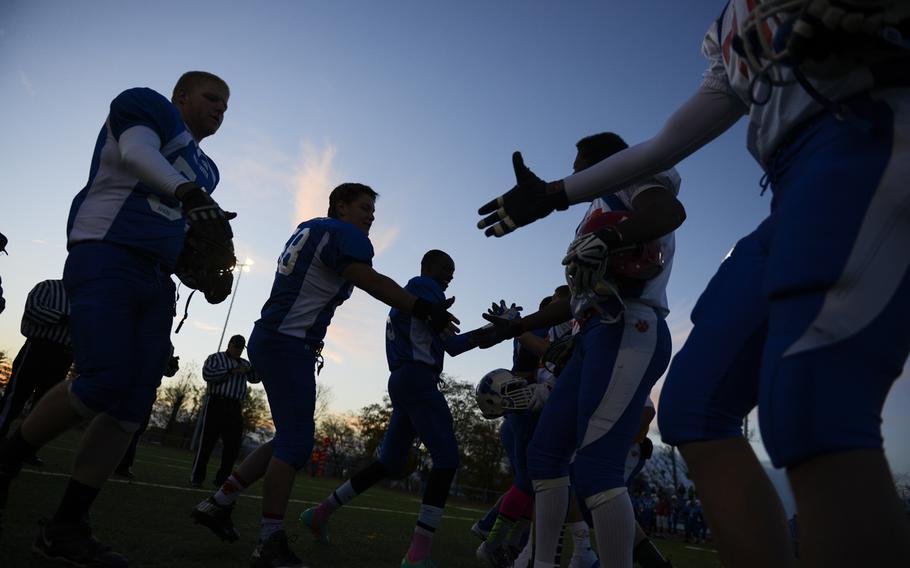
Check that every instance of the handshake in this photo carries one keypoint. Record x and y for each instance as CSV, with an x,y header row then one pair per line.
x,y
505,323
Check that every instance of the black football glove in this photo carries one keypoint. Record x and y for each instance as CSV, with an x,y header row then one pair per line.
x,y
203,212
500,329
436,315
525,203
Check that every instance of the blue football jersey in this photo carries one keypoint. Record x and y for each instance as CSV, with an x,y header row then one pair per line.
x,y
115,206
308,286
409,339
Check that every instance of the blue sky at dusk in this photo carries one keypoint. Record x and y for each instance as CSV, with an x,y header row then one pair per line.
x,y
424,101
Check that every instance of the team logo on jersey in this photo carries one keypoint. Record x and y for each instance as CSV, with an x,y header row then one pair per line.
x,y
642,326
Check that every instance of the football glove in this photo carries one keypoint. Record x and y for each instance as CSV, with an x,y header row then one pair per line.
x,y
436,315
558,354
540,394
501,310
531,199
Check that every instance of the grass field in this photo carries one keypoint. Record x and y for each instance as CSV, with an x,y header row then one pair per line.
x,y
148,520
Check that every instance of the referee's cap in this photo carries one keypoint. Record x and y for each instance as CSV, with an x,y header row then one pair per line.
x,y
3,241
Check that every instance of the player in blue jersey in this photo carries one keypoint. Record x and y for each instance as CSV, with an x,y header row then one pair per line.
x,y
321,264
805,318
126,228
148,179
415,355
621,348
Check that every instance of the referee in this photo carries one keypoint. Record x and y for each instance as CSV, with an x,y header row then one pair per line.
x,y
227,374
46,357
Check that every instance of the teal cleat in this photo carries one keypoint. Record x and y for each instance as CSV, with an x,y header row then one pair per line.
x,y
320,533
425,563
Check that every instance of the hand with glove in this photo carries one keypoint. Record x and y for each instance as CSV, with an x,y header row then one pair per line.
x,y
436,315
540,394
505,323
531,199
207,260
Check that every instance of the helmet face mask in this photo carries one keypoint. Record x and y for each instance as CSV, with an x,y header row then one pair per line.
x,y
635,261
500,392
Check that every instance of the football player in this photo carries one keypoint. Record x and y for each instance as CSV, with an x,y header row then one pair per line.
x,y
317,271
148,180
805,317
621,348
415,353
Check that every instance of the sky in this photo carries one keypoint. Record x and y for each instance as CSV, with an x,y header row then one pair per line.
x,y
423,100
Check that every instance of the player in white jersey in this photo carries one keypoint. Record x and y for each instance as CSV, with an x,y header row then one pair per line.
x,y
622,347
806,317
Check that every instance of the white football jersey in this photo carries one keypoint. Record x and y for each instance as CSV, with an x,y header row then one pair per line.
x,y
787,105
652,292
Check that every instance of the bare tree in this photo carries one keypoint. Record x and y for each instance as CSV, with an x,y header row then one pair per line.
x,y
256,414
344,445
175,396
324,398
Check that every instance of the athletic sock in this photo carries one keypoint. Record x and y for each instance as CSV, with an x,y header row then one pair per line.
x,y
422,541
614,528
232,487
581,540
270,524
342,495
551,505
77,500
646,554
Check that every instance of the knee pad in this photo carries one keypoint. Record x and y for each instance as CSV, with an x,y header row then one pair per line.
x,y
296,455
544,466
599,499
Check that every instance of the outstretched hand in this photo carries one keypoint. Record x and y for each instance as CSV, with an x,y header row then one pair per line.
x,y
531,199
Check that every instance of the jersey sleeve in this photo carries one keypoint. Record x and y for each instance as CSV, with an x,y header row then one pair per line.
x,y
348,245
216,368
715,76
423,287
144,107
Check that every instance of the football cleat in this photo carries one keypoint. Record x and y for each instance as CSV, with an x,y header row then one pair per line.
x,y
74,543
216,518
494,556
321,533
479,531
275,553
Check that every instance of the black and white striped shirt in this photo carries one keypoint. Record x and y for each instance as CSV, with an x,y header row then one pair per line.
x,y
222,382
47,313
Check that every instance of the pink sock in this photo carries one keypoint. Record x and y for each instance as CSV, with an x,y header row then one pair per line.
x,y
420,545
514,503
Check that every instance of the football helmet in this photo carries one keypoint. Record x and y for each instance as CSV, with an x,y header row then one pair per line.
x,y
500,392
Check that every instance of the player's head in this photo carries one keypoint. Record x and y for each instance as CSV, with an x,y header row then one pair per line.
x,y
354,203
545,302
202,99
236,345
562,293
597,147
439,266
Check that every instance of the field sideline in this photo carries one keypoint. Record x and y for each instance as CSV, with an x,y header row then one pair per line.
x,y
148,520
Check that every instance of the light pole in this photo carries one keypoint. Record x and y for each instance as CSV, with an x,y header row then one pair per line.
x,y
242,267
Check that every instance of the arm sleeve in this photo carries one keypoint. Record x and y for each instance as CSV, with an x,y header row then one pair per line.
x,y
216,369
41,306
140,153
707,114
457,344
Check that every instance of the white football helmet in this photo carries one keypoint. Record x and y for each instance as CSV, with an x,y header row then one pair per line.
x,y
500,392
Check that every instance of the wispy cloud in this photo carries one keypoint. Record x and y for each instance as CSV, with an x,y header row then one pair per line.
x,y
26,83
313,182
383,238
206,327
39,241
